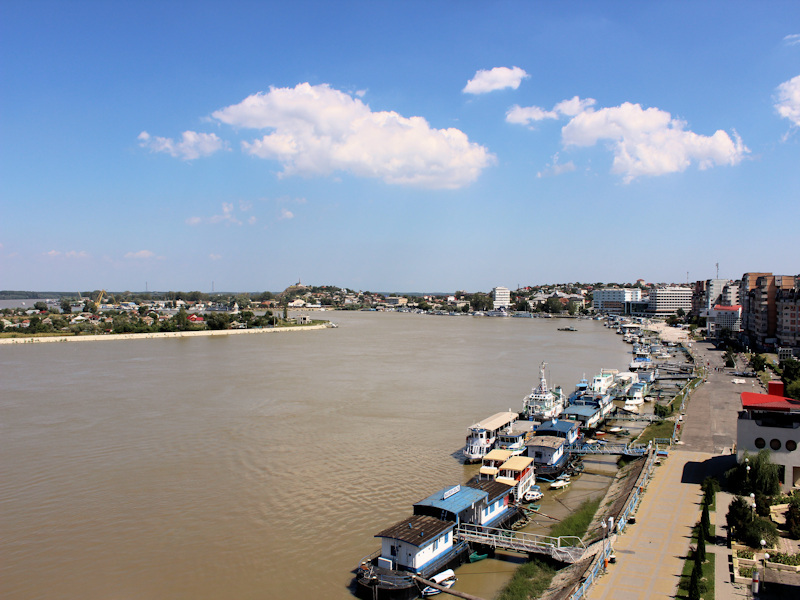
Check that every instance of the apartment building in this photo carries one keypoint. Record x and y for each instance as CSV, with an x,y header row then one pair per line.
x,y
758,294
501,298
612,300
668,300
787,305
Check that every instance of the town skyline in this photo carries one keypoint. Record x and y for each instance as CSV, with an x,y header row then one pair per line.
x,y
384,146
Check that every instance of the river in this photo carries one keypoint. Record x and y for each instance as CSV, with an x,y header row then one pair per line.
x,y
256,466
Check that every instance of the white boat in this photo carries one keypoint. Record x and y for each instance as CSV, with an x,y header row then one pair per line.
x,y
534,494
559,483
542,404
445,579
518,472
483,435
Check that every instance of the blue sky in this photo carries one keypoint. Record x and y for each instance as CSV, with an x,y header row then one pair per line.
x,y
396,146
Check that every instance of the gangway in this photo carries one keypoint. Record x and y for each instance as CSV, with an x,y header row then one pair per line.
x,y
626,449
567,549
621,416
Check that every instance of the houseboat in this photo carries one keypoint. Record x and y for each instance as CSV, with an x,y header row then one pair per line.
x,y
590,410
563,428
490,466
542,403
549,456
518,472
603,381
483,435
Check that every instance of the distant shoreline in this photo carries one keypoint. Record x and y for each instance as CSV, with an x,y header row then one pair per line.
x,y
158,334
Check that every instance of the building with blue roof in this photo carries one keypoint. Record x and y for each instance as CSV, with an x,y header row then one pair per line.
x,y
460,504
569,430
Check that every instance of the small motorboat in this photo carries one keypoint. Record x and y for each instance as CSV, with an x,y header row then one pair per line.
x,y
533,494
561,483
445,579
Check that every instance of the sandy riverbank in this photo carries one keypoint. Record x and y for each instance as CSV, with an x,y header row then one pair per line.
x,y
667,333
160,334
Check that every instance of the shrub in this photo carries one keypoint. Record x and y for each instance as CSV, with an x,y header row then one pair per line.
x,y
738,517
760,529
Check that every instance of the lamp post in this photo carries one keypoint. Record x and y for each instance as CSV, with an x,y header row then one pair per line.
x,y
605,555
766,558
753,503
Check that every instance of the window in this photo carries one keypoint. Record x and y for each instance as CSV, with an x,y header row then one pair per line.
x,y
791,445
760,443
775,444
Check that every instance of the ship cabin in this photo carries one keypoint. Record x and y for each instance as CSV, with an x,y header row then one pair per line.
x,y
563,428
491,463
514,437
638,391
587,414
603,381
518,471
498,511
460,504
548,453
415,542
580,389
483,435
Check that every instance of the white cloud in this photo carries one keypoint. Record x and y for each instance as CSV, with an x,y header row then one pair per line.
x,y
649,141
286,214
191,145
226,216
77,254
644,141
556,168
317,130
53,253
787,100
140,254
520,115
252,220
792,39
525,115
214,256
498,78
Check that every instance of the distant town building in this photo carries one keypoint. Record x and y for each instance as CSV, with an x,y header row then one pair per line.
x,y
501,298
668,300
396,301
787,303
613,300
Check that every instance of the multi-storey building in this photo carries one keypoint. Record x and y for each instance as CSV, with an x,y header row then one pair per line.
x,y
730,294
501,297
668,300
787,304
612,300
724,317
758,293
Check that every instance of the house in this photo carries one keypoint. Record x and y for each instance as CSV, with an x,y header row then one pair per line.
x,y
561,428
415,542
498,511
548,453
772,421
459,504
194,318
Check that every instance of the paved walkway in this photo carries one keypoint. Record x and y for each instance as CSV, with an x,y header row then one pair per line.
x,y
651,552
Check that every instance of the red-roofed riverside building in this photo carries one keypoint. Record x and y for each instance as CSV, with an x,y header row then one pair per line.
x,y
772,421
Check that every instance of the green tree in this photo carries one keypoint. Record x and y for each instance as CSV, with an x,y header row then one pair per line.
x,y
760,529
66,308
694,583
758,362
793,517
553,305
572,307
739,516
182,320
40,306
705,522
700,552
793,390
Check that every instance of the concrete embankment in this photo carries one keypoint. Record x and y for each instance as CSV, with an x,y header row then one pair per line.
x,y
160,334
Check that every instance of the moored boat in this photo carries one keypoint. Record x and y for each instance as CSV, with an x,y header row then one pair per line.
x,y
483,435
542,403
445,579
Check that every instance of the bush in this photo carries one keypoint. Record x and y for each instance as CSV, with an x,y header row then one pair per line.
x,y
793,517
760,529
739,516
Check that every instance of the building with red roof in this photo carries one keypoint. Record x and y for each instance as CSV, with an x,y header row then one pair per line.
x,y
771,421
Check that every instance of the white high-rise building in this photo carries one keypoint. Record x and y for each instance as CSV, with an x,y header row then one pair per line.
x,y
612,300
501,298
667,300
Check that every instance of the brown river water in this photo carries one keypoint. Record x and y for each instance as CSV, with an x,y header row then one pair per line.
x,y
256,466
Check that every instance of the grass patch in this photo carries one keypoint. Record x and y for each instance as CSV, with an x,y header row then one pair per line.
x,y
662,429
707,581
529,581
578,522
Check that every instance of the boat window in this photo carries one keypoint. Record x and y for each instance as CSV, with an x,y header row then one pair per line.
x,y
760,443
791,445
775,444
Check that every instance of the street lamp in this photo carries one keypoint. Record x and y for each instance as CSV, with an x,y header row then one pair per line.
x,y
605,534
766,558
753,502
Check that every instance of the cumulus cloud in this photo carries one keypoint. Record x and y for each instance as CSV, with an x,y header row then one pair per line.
x,y
286,214
316,130
77,254
141,254
650,142
644,141
787,100
498,78
792,39
191,145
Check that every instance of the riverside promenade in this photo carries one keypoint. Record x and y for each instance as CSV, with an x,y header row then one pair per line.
x,y
651,553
